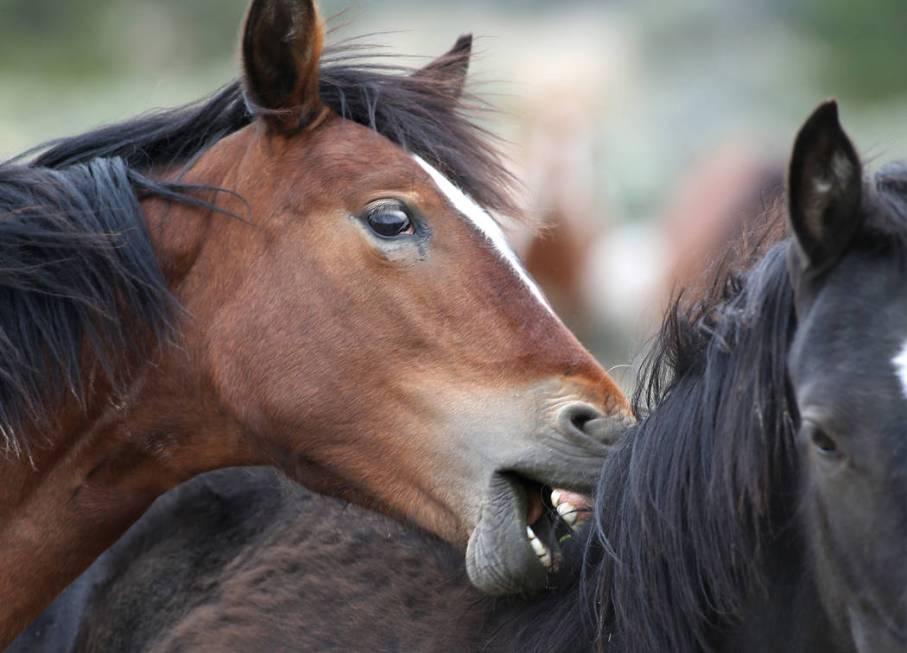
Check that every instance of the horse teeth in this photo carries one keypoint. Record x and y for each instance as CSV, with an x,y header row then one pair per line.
x,y
541,551
568,512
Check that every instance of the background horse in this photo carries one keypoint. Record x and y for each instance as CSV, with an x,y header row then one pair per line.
x,y
299,271
762,505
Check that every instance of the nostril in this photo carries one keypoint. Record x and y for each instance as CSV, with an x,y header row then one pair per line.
x,y
578,417
582,420
581,416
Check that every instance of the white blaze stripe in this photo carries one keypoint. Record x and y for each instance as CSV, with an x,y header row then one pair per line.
x,y
900,365
485,224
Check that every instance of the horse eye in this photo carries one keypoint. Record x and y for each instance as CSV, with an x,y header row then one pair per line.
x,y
390,221
824,443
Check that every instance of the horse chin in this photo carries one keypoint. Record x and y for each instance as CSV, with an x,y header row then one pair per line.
x,y
500,558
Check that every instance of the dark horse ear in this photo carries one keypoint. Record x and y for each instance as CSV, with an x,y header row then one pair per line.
x,y
824,189
449,70
281,46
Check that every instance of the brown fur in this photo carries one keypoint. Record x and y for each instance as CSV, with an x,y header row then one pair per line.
x,y
394,377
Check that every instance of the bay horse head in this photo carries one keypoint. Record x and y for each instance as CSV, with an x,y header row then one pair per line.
x,y
848,369
382,314
300,272
375,327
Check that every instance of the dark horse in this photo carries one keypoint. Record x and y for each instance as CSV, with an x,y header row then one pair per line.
x,y
299,271
760,506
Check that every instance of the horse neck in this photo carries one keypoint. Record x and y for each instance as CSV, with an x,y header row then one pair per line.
x,y
788,613
100,463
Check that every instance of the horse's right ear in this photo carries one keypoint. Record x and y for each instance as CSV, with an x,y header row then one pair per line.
x,y
281,48
449,70
824,189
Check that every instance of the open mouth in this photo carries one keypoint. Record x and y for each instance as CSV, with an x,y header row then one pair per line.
x,y
551,516
517,540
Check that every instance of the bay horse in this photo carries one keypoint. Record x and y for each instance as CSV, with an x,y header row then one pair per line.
x,y
300,271
760,506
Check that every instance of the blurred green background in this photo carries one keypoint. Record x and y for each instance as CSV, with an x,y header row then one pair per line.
x,y
671,75
645,90
670,78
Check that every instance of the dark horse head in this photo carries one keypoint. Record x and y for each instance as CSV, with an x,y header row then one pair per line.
x,y
848,373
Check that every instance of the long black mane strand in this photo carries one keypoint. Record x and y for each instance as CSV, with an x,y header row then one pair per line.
x,y
78,274
698,486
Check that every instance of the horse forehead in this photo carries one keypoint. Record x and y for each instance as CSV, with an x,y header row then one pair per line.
x,y
338,139
877,289
485,225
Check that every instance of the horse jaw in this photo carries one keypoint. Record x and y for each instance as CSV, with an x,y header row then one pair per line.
x,y
499,558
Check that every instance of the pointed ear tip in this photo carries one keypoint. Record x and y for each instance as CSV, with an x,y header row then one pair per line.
x,y
827,112
463,44
830,108
296,5
823,120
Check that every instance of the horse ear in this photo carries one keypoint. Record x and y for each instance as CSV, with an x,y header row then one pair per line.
x,y
450,69
281,47
824,189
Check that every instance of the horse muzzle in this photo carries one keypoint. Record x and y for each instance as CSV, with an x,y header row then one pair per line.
x,y
532,505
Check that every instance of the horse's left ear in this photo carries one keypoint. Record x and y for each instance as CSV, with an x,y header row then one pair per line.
x,y
281,48
450,69
824,189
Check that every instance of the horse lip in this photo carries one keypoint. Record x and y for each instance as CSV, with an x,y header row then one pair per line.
x,y
499,559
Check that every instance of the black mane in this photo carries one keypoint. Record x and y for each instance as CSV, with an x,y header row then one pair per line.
x,y
76,264
696,488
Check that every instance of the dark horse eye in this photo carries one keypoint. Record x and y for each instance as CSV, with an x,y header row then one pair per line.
x,y
824,443
390,221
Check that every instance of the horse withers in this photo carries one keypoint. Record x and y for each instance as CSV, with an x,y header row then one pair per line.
x,y
761,505
301,272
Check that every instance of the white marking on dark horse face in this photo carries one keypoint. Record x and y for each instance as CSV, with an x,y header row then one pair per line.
x,y
485,225
900,366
